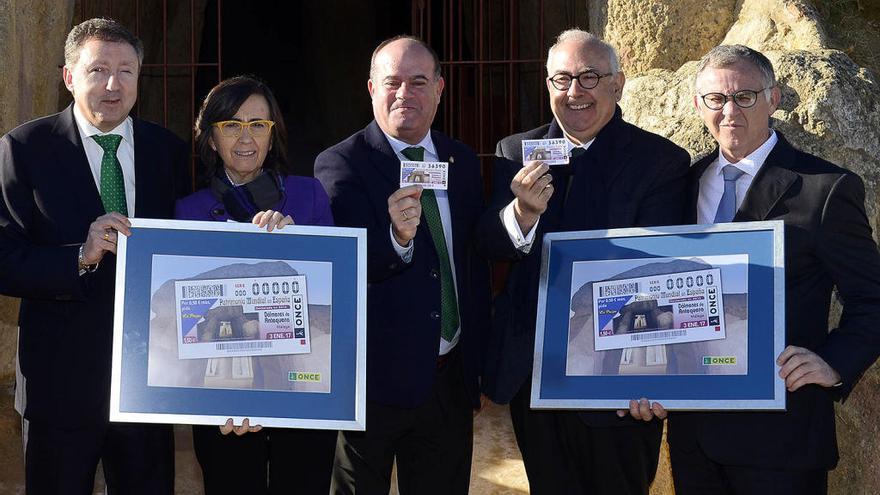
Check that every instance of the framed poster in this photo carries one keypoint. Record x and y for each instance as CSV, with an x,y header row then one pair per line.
x,y
691,316
215,320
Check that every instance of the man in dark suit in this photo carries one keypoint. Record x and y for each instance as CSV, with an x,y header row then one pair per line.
x,y
428,292
67,182
618,176
755,174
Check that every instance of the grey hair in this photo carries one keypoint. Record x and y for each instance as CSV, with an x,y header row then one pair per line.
x,y
726,55
99,29
581,36
414,39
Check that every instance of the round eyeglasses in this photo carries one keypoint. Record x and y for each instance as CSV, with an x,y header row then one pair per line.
x,y
587,79
234,128
744,98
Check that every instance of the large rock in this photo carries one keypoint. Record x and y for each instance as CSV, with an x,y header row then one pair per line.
x,y
661,34
777,25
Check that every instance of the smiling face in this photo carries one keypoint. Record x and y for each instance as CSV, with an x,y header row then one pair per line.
x,y
243,156
404,90
103,82
738,131
582,113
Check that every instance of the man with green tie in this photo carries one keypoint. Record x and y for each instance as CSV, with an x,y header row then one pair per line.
x,y
428,292
68,183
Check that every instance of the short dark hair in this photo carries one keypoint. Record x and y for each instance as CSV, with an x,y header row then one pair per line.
x,y
222,102
415,40
103,29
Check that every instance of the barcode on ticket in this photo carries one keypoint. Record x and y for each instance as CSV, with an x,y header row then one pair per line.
x,y
237,346
657,335
619,289
202,291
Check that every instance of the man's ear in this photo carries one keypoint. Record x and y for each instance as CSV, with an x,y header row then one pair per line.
x,y
619,82
775,98
67,77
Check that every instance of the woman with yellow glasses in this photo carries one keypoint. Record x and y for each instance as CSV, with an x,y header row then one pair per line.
x,y
242,141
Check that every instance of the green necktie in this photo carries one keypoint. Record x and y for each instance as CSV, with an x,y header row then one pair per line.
x,y
112,182
577,151
431,213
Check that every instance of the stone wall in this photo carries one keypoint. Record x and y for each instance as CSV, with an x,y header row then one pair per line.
x,y
825,59
32,35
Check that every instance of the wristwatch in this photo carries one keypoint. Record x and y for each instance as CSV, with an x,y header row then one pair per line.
x,y
83,267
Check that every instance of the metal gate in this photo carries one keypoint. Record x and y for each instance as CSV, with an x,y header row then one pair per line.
x,y
493,54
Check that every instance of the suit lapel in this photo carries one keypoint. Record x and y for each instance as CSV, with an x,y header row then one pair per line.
x,y
696,171
382,157
75,168
768,187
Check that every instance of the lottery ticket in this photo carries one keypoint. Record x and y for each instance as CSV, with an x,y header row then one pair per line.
x,y
429,175
252,316
549,151
660,309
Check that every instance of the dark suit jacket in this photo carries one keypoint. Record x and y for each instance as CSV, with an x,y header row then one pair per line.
x,y
403,299
638,180
49,199
828,243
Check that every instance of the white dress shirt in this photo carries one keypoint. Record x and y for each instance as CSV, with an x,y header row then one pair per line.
x,y
94,153
508,217
406,252
712,180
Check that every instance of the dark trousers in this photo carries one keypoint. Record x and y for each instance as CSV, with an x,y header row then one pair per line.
x,y
271,461
137,459
563,455
694,473
432,444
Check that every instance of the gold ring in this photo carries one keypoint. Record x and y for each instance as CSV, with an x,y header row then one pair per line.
x,y
106,236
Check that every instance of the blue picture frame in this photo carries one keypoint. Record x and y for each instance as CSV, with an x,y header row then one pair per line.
x,y
570,374
146,384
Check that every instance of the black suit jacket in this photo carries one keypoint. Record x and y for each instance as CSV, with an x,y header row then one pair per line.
x,y
638,179
828,243
49,199
403,299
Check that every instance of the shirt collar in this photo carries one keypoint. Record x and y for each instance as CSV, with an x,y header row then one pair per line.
x,y
753,162
569,144
87,130
398,145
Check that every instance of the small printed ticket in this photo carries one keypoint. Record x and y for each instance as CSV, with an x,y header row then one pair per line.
x,y
549,151
660,309
429,175
252,316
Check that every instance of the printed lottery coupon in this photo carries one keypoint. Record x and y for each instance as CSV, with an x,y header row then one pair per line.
x,y
253,316
549,151
429,175
659,309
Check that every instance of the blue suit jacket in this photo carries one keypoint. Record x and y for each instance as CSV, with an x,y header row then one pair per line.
x,y
403,299
48,199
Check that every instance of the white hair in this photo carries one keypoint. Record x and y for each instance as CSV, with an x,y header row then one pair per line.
x,y
581,36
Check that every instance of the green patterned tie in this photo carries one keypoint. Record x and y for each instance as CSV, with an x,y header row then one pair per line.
x,y
112,182
431,212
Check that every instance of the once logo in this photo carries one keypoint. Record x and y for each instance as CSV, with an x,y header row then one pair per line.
x,y
719,360
303,376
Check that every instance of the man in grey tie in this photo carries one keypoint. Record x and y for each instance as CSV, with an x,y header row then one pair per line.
x,y
757,175
428,291
68,183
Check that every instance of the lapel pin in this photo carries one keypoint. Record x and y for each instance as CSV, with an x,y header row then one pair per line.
x,y
451,159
